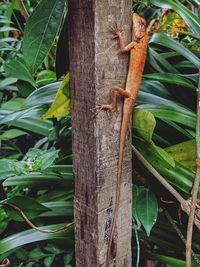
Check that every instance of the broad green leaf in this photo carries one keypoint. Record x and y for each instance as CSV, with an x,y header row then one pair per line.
x,y
7,29
136,195
45,77
190,18
10,134
167,157
48,158
164,40
7,168
147,210
41,30
43,95
29,206
162,61
61,104
30,236
171,114
185,153
179,176
67,259
18,69
48,261
7,81
3,220
144,124
13,104
34,125
170,78
58,208
33,112
36,253
37,178
175,262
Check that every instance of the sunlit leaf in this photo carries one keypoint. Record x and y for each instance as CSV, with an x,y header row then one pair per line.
x,y
185,153
144,124
61,104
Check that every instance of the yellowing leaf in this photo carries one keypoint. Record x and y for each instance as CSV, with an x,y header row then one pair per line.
x,y
185,153
144,124
61,104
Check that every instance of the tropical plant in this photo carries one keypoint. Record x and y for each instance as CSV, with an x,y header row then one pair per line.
x,y
35,165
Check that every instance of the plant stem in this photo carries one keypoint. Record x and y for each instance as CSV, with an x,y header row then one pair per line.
x,y
59,230
195,185
22,9
157,175
185,204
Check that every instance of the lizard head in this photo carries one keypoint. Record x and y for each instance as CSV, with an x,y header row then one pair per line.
x,y
139,26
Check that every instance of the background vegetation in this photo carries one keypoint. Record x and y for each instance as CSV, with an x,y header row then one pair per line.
x,y
35,133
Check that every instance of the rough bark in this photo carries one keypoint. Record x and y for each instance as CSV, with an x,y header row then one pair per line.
x,y
96,65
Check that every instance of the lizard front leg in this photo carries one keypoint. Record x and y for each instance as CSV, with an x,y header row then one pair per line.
x,y
113,103
118,34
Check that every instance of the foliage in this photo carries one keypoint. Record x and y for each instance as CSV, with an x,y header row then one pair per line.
x,y
35,132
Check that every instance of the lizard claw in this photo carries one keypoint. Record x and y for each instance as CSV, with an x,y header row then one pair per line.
x,y
116,30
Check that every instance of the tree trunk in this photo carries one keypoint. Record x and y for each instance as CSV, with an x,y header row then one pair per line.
x,y
96,65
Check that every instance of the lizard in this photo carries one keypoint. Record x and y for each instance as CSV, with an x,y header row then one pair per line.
x,y
138,51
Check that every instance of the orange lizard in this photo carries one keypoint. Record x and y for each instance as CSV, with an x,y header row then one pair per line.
x,y
138,51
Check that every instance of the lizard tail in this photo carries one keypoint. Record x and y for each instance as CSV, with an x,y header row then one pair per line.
x,y
122,141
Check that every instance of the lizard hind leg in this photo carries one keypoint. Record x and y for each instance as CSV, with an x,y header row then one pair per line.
x,y
113,103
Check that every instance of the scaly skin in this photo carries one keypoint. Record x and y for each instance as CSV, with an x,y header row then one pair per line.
x,y
138,50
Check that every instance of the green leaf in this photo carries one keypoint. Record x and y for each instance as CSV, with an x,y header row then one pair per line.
x,y
34,125
172,261
38,178
147,209
144,124
190,18
7,168
36,253
164,40
170,78
18,69
67,259
30,236
179,176
41,30
48,261
161,152
172,114
48,158
10,134
185,153
3,220
7,81
30,207
136,195
43,95
45,77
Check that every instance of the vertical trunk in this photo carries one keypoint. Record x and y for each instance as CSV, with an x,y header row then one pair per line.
x,y
95,67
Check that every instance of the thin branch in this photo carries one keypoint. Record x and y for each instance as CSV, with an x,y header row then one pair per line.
x,y
178,231
157,175
185,204
195,185
22,9
59,230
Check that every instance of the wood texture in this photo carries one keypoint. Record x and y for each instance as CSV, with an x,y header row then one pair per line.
x,y
96,65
